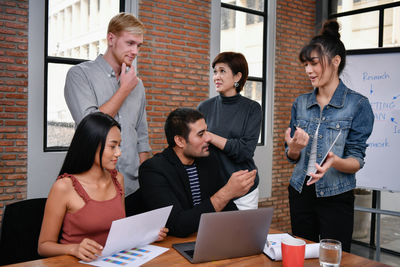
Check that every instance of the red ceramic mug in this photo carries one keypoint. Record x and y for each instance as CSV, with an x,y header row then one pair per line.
x,y
293,251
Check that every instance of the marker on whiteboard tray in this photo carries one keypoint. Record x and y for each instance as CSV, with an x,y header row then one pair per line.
x,y
326,155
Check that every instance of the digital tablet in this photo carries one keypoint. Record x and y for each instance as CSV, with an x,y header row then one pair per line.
x,y
326,154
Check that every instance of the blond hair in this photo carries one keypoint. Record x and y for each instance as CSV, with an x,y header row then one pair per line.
x,y
125,22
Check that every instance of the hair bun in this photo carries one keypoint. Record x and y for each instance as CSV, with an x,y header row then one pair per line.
x,y
331,28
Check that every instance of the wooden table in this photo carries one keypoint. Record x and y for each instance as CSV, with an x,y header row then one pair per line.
x,y
173,258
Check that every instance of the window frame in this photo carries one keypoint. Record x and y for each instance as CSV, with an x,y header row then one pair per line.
x,y
332,14
57,60
262,79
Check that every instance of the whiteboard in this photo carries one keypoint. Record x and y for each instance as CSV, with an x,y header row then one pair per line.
x,y
377,76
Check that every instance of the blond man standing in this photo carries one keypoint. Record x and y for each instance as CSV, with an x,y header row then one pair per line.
x,y
110,84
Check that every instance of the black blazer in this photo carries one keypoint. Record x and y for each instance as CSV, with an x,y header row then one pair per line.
x,y
164,181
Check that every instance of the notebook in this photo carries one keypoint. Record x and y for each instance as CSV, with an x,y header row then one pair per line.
x,y
229,234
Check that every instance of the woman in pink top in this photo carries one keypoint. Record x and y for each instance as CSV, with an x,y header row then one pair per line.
x,y
89,193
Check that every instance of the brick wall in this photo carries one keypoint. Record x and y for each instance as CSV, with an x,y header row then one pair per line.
x,y
174,61
174,66
295,26
13,100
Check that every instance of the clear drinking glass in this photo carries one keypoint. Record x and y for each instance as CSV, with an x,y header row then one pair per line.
x,y
330,253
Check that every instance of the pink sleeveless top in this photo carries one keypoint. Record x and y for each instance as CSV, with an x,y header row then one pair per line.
x,y
94,219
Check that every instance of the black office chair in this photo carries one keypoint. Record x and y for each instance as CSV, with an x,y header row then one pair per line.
x,y
134,203
20,231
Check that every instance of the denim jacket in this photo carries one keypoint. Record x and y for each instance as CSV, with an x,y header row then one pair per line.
x,y
347,111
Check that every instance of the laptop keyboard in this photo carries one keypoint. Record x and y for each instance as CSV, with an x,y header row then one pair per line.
x,y
190,253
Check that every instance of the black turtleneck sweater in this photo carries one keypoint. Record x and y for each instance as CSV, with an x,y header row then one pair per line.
x,y
238,119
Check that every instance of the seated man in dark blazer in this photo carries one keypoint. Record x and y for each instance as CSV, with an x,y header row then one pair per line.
x,y
186,175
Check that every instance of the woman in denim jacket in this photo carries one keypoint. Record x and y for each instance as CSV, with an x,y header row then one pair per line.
x,y
321,196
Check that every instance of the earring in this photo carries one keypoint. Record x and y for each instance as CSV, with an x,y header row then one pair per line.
x,y
236,84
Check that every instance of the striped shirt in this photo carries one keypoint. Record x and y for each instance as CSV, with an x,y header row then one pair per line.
x,y
194,183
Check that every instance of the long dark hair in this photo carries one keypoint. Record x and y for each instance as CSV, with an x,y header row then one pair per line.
x,y
91,132
327,45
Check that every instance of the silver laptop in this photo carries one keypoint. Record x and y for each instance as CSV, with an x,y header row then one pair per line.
x,y
229,234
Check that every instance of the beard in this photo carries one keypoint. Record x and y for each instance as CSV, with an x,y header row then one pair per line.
x,y
193,155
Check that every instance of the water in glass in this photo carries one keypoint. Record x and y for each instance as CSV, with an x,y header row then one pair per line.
x,y
330,253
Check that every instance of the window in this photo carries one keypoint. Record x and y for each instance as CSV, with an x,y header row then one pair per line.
x,y
368,24
228,19
257,5
76,32
243,30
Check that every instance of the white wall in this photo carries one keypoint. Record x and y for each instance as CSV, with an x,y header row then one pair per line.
x,y
42,167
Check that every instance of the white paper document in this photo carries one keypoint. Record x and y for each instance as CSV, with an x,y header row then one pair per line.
x,y
273,247
135,232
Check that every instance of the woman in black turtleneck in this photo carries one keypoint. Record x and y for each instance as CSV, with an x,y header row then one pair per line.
x,y
234,121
